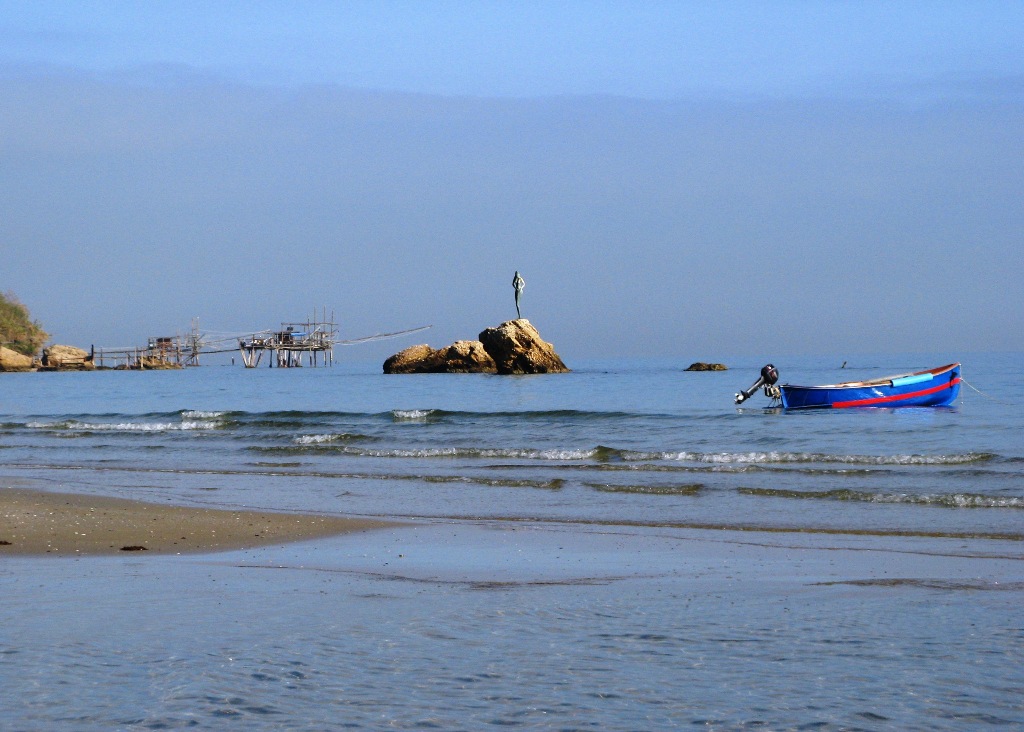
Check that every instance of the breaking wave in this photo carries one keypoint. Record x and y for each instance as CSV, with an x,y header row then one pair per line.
x,y
629,459
412,415
321,444
76,426
191,414
328,439
774,457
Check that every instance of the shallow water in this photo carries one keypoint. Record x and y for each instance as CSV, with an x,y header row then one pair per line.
x,y
615,548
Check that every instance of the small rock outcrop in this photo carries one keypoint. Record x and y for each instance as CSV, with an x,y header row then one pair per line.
x,y
514,347
156,363
517,348
461,357
66,358
701,366
14,361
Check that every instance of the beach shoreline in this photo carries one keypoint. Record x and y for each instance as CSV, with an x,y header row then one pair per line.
x,y
40,523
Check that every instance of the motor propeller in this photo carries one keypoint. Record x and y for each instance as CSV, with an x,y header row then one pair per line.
x,y
769,375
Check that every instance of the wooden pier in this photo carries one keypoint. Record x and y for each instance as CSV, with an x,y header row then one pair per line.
x,y
308,343
167,354
312,341
161,352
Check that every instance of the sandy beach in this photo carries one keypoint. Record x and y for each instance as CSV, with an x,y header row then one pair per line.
x,y
38,522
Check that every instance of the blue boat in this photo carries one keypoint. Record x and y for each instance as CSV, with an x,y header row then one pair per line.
x,y
937,387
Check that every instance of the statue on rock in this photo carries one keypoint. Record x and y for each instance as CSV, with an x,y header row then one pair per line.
x,y
514,347
518,283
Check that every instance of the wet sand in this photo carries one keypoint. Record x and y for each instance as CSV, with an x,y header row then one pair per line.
x,y
40,523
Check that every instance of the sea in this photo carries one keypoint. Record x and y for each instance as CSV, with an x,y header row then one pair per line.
x,y
616,548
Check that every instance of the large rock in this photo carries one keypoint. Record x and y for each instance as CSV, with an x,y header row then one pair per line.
x,y
14,361
410,361
66,357
468,357
514,347
461,357
517,348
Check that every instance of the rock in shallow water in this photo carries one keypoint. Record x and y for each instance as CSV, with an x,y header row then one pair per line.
x,y
461,357
514,347
702,366
517,348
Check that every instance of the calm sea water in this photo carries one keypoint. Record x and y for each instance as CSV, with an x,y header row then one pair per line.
x,y
616,548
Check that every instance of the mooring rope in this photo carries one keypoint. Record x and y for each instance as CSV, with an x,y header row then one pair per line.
x,y
987,396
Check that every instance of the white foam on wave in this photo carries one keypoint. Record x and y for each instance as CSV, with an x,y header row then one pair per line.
x,y
956,500
768,457
479,452
149,426
189,420
74,425
564,454
198,414
411,415
426,452
529,454
317,439
199,425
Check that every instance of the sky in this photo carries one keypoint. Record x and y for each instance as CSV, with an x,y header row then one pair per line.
x,y
673,179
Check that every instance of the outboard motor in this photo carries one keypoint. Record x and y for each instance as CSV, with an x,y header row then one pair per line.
x,y
769,375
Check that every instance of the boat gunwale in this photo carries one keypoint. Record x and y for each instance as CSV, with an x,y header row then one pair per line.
x,y
883,381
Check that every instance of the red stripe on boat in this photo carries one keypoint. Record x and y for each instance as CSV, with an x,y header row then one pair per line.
x,y
895,397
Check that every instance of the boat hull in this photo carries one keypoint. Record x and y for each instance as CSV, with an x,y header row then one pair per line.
x,y
938,387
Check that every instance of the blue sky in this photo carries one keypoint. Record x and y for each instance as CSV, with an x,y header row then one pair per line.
x,y
636,49
665,175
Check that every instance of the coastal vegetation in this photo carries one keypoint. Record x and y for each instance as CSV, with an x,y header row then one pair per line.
x,y
18,331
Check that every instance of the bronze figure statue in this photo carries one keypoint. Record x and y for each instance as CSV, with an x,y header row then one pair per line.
x,y
518,283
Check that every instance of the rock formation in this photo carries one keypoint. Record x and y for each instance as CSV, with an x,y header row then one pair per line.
x,y
461,357
517,348
701,366
66,358
410,361
14,361
514,347
155,363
